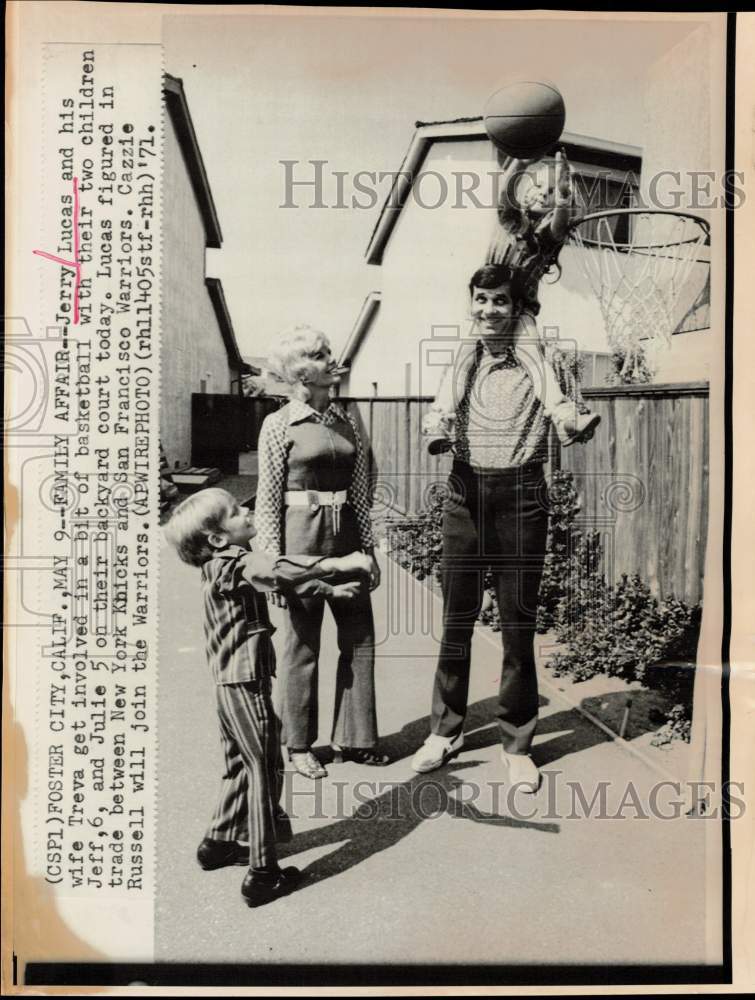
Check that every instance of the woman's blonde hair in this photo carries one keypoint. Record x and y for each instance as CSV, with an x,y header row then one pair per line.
x,y
291,358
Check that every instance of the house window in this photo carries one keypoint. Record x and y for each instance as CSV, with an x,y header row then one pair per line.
x,y
606,191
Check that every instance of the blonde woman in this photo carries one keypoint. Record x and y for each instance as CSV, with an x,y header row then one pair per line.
x,y
312,499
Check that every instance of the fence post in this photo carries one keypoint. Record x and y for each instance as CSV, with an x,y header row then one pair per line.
x,y
411,482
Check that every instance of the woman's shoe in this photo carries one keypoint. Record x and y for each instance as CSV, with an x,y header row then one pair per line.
x,y
360,755
306,763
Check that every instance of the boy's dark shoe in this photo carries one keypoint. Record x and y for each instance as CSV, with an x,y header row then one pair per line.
x,y
212,854
439,445
261,887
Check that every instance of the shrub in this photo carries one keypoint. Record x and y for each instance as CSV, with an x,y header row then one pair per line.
x,y
570,361
677,727
630,634
564,506
629,367
416,542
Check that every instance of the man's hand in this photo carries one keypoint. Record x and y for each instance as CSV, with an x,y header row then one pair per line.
x,y
374,573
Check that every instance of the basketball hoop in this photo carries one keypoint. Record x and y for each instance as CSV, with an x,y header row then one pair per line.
x,y
649,270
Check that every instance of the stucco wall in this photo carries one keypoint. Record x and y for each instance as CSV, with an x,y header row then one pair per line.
x,y
192,344
677,111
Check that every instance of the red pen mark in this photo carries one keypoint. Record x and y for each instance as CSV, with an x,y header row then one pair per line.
x,y
74,264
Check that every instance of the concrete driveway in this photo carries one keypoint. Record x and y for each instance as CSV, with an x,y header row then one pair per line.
x,y
447,867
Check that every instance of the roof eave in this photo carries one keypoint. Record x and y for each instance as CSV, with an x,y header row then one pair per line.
x,y
217,298
360,328
178,109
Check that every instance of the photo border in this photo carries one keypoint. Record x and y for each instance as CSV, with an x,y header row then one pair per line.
x,y
301,975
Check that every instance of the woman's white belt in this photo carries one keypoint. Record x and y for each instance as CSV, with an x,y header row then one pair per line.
x,y
314,499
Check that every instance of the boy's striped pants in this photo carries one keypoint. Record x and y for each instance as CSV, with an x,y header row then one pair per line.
x,y
252,781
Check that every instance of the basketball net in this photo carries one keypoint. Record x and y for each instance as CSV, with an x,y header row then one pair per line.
x,y
648,271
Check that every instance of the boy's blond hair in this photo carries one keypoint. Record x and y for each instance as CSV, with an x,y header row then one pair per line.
x,y
194,519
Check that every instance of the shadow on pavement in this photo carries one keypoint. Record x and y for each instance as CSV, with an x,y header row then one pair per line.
x,y
572,733
381,822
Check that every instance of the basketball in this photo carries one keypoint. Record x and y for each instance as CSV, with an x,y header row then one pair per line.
x,y
525,119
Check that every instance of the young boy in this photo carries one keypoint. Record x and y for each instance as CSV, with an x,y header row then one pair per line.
x,y
532,229
212,531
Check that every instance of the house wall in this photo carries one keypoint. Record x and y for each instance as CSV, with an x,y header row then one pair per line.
x,y
677,114
192,344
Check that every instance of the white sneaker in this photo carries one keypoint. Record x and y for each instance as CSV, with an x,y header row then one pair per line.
x,y
435,751
522,771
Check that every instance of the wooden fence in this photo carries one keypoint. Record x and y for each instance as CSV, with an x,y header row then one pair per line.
x,y
400,468
643,479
